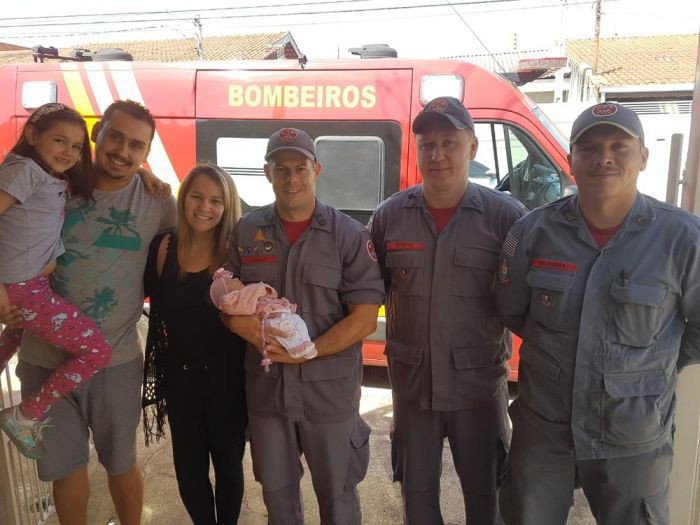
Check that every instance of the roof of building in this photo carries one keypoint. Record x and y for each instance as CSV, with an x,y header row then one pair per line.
x,y
10,47
640,60
501,61
266,46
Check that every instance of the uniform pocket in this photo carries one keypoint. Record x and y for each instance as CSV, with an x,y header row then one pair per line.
x,y
540,385
638,312
473,271
405,368
330,387
630,412
258,273
359,454
406,269
549,296
469,357
320,290
656,510
480,371
409,354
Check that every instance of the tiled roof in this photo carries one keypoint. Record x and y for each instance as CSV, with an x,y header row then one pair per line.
x,y
232,47
9,47
642,60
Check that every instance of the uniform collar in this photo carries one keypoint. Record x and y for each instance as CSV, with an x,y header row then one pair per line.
x,y
470,199
321,218
568,212
639,217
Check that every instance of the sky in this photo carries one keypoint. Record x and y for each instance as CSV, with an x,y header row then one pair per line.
x,y
327,28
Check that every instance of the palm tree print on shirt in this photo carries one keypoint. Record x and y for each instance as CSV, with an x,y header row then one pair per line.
x,y
101,304
75,216
119,233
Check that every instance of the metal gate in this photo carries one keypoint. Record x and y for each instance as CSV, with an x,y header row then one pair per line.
x,y
24,499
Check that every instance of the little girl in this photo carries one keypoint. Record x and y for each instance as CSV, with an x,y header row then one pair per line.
x,y
51,157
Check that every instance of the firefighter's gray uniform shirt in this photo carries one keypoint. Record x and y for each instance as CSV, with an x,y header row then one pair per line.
x,y
330,266
445,344
603,330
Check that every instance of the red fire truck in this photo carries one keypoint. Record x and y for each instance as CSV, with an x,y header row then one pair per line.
x,y
358,111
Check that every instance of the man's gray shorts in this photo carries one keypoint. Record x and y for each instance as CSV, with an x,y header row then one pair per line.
x,y
109,405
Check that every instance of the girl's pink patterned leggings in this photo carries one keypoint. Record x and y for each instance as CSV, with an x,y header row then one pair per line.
x,y
61,324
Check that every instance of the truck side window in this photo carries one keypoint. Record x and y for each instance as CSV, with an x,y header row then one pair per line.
x,y
353,172
241,158
513,162
361,159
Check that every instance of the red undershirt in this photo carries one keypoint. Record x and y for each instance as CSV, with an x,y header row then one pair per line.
x,y
441,216
602,236
294,229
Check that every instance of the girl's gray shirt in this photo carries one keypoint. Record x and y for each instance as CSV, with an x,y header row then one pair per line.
x,y
30,230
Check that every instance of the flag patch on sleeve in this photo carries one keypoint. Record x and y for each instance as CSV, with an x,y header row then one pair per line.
x,y
510,244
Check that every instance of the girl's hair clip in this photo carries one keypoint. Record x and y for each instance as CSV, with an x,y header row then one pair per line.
x,y
46,109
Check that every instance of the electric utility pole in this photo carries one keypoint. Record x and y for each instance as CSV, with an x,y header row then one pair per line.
x,y
596,40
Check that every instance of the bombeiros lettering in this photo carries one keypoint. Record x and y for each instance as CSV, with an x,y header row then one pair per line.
x,y
304,96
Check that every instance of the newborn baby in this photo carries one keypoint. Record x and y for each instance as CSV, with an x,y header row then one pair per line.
x,y
232,297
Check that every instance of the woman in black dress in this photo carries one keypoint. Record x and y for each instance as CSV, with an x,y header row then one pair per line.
x,y
194,366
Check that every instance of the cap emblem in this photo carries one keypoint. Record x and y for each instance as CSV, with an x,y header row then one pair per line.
x,y
604,110
288,135
439,104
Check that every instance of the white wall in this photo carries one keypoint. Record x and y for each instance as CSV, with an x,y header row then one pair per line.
x,y
658,130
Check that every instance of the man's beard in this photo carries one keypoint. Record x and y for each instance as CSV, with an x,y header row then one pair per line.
x,y
111,176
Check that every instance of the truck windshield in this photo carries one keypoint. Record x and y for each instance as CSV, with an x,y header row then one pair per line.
x,y
552,128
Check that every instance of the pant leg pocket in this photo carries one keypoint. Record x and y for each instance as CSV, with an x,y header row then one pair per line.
x,y
503,464
505,496
359,454
655,509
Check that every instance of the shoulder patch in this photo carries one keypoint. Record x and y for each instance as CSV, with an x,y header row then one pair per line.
x,y
371,251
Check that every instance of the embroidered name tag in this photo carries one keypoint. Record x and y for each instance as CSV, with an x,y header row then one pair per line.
x,y
253,259
397,246
553,265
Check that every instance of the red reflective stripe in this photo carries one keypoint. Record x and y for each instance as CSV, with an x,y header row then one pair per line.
x,y
251,259
557,265
394,246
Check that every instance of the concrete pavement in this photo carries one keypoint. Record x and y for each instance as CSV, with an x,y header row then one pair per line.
x,y
381,499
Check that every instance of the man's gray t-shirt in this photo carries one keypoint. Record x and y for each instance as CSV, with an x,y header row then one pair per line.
x,y
101,272
30,229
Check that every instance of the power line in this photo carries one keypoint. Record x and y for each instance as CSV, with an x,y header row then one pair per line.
x,y
208,9
268,25
476,36
258,15
58,35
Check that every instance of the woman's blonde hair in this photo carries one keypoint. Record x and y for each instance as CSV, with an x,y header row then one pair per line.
x,y
222,232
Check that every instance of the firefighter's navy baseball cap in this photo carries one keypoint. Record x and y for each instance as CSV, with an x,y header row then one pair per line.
x,y
607,113
444,108
291,139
